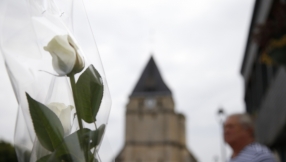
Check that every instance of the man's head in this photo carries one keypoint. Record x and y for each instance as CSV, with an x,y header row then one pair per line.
x,y
238,129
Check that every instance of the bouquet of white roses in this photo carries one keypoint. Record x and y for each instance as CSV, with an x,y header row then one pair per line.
x,y
58,81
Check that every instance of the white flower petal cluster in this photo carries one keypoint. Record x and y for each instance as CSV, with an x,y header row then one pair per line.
x,y
65,54
64,114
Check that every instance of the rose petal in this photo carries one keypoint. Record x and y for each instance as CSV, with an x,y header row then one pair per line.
x,y
63,54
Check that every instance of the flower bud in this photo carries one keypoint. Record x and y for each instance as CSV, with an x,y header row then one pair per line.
x,y
65,55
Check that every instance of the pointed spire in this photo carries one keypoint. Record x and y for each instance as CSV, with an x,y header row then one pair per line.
x,y
151,82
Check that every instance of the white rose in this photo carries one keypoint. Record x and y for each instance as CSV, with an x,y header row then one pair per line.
x,y
64,114
65,54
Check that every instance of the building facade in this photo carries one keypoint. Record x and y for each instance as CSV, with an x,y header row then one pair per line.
x,y
265,84
154,132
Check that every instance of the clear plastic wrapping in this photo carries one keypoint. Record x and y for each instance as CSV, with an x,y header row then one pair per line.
x,y
57,77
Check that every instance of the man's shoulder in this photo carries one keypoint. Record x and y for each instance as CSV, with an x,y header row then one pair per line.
x,y
257,149
255,152
260,153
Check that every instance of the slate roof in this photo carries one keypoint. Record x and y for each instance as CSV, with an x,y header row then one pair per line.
x,y
151,82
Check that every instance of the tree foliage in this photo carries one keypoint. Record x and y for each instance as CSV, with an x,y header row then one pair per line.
x,y
7,152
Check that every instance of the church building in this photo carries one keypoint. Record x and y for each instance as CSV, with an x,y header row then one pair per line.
x,y
154,132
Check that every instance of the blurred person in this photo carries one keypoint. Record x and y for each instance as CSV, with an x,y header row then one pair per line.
x,y
239,134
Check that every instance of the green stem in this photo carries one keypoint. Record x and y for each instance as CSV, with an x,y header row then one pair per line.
x,y
94,147
72,80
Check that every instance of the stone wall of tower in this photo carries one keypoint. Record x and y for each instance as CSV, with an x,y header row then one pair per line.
x,y
182,130
162,103
146,124
154,135
152,127
152,153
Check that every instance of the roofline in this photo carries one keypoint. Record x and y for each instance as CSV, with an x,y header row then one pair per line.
x,y
150,94
249,38
161,86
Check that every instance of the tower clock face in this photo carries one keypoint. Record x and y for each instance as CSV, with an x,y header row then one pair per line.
x,y
150,103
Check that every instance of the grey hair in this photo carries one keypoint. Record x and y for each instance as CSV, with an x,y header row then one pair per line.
x,y
245,120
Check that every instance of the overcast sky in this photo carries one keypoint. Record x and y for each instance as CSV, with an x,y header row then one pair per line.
x,y
198,46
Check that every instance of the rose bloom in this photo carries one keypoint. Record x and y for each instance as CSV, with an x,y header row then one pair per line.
x,y
63,112
65,55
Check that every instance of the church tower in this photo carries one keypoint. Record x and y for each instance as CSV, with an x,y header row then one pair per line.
x,y
154,132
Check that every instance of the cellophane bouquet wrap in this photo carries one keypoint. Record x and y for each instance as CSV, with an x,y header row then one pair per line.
x,y
58,80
